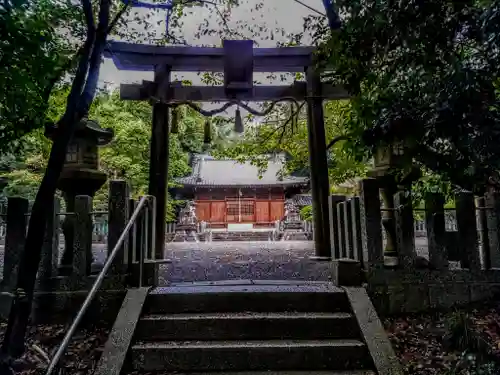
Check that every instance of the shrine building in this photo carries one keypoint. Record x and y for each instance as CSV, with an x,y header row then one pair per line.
x,y
229,194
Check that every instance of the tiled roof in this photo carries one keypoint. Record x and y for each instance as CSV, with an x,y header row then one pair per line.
x,y
208,171
302,199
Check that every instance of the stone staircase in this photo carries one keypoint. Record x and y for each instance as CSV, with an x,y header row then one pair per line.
x,y
220,236
278,329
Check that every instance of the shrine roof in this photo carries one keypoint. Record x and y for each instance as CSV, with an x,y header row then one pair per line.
x,y
208,171
302,199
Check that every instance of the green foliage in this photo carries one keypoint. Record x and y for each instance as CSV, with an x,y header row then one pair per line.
x,y
126,157
306,213
426,73
276,137
34,57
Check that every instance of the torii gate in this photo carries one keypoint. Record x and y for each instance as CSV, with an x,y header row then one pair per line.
x,y
238,60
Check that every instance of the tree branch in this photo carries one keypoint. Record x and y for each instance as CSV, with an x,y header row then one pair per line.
x,y
83,64
118,15
344,137
95,59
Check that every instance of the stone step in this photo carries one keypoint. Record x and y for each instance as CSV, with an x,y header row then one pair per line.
x,y
246,298
247,326
255,355
347,372
241,236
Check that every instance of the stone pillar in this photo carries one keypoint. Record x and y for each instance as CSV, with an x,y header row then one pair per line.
x,y
348,232
118,218
467,231
82,247
341,207
50,249
435,226
151,252
371,231
356,230
131,237
68,223
320,186
405,230
333,201
15,238
482,223
159,154
493,219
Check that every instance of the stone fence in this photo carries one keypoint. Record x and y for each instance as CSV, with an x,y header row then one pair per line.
x,y
67,268
461,265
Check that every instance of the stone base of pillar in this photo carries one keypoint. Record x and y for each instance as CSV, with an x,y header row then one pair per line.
x,y
320,259
150,273
294,235
186,233
347,272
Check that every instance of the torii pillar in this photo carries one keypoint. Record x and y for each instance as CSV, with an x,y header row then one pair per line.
x,y
159,154
320,186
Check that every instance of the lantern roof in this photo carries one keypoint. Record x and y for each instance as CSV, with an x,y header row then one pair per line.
x,y
86,129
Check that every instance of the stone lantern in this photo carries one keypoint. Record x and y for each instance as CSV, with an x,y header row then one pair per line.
x,y
387,159
80,175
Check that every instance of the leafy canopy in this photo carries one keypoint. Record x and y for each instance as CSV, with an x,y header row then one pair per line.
x,y
427,73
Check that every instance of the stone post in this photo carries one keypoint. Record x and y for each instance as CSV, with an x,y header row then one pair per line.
x,y
50,249
348,232
118,218
371,231
131,237
434,223
493,218
151,252
482,223
356,230
333,201
82,246
467,231
341,207
405,230
15,237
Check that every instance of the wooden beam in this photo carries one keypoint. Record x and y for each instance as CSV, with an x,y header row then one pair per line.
x,y
298,91
130,56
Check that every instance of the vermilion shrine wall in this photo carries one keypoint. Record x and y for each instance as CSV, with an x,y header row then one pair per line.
x,y
261,207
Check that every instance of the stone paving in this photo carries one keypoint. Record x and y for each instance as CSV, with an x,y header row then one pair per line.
x,y
242,260
215,261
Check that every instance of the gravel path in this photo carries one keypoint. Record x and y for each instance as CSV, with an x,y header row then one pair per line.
x,y
215,261
242,260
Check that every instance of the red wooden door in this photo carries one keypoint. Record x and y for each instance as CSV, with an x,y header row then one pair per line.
x,y
247,207
218,212
240,211
203,210
262,211
277,210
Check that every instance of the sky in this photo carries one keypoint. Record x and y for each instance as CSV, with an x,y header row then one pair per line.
x,y
275,14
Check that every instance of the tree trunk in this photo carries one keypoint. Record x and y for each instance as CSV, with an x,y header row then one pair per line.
x,y
21,308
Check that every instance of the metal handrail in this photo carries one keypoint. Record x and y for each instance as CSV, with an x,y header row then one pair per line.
x,y
97,283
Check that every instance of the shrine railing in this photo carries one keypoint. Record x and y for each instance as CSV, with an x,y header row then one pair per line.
x,y
459,257
69,253
140,217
